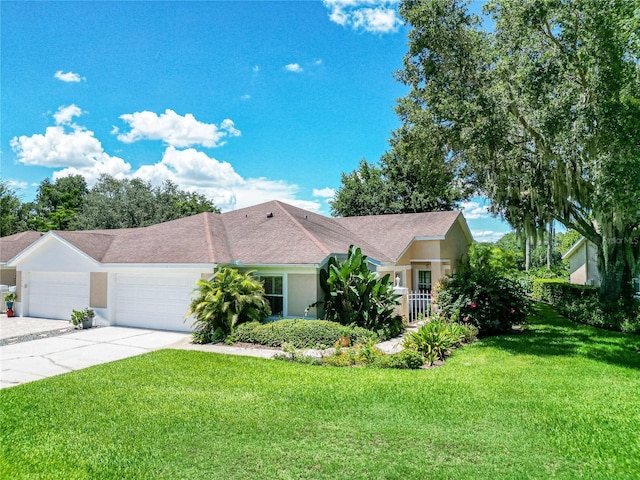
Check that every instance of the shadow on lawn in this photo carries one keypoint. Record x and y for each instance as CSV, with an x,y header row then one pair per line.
x,y
549,334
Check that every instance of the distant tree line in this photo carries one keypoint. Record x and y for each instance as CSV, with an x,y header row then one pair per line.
x,y
69,204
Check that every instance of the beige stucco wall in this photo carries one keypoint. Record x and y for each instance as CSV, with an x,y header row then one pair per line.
x,y
579,275
7,276
583,265
420,249
98,290
440,257
301,292
455,246
577,261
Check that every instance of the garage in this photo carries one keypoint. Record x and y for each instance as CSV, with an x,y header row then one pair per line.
x,y
158,302
54,295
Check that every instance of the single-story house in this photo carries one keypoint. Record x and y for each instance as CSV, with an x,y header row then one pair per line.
x,y
583,265
144,277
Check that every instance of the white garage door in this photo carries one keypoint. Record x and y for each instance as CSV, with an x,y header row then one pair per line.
x,y
54,295
158,302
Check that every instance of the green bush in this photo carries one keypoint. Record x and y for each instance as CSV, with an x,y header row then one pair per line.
x,y
484,298
354,295
300,333
555,291
407,358
582,304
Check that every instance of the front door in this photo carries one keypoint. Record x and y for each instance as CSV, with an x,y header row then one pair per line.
x,y
424,280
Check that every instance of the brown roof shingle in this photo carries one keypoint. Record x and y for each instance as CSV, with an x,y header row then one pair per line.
x,y
12,245
272,233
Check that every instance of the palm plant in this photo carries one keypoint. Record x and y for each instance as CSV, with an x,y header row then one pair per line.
x,y
227,299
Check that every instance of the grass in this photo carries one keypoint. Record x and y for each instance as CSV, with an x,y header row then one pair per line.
x,y
558,401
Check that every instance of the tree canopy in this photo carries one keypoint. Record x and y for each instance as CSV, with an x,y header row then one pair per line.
x,y
407,180
541,113
68,204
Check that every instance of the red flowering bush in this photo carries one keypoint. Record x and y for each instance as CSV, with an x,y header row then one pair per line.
x,y
484,298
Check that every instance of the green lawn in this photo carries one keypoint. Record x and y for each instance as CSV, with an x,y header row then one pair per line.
x,y
558,401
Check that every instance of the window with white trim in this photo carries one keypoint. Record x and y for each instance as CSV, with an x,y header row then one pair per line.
x,y
273,293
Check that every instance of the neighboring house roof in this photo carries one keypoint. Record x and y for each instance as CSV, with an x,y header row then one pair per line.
x,y
12,245
574,248
272,233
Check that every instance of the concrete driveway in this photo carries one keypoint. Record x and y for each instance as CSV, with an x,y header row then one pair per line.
x,y
31,360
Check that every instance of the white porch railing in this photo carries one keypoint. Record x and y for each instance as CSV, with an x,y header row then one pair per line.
x,y
418,304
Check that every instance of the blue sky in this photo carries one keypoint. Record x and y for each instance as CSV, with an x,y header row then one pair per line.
x,y
244,102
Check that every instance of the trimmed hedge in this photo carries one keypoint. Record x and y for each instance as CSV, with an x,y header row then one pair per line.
x,y
556,291
300,333
582,304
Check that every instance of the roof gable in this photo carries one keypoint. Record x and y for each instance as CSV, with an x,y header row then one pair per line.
x,y
53,253
394,233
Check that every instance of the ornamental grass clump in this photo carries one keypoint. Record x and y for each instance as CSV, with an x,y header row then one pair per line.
x,y
435,339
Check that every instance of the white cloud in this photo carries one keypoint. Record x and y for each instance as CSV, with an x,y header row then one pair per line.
x,y
324,192
245,97
195,171
230,128
487,235
68,77
293,67
70,146
16,184
59,148
103,164
64,115
190,167
375,16
176,130
473,210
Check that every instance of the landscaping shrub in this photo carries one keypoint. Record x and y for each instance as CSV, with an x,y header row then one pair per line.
x,y
369,355
582,304
434,339
228,299
300,333
407,359
555,291
356,296
484,298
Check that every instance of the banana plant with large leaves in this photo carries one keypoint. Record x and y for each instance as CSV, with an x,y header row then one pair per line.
x,y
354,295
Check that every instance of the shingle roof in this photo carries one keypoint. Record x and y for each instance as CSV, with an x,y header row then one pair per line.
x,y
12,245
393,233
271,233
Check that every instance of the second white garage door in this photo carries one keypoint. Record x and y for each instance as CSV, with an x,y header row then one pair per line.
x,y
158,302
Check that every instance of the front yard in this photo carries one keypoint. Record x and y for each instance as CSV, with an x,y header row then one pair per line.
x,y
557,401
